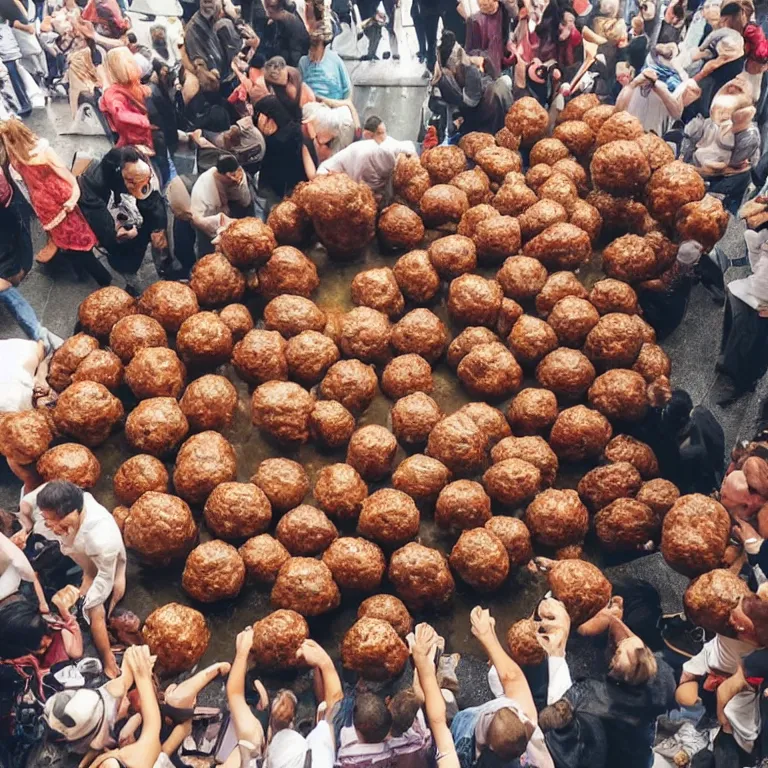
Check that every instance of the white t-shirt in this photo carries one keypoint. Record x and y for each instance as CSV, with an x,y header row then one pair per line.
x,y
14,567
720,654
20,359
288,749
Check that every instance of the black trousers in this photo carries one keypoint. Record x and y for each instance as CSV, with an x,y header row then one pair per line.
x,y
86,262
744,346
425,25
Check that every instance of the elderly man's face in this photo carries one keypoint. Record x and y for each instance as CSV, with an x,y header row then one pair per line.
x,y
209,8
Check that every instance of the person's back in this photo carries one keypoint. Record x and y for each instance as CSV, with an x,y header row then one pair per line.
x,y
363,744
410,741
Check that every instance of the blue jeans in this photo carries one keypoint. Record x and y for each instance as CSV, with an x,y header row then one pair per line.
x,y
22,312
463,732
18,87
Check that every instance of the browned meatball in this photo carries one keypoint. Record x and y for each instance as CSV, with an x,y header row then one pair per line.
x,y
629,258
305,585
156,426
389,517
410,179
557,286
420,332
443,163
659,495
531,339
290,315
537,175
263,557
557,518
523,644
387,608
260,357
711,597
309,355
480,559
283,481
137,475
178,635
614,341
356,563
374,650
87,411
461,505
247,242
156,372
540,216
471,143
626,524
657,151
567,372
602,485
453,255
527,119
277,639
475,184
695,534
305,530
620,167
597,115
671,187
620,126
69,355
340,491
512,482
288,271
490,420
586,217
204,340
613,296
414,417
577,136
169,303
209,403
443,204
581,587
645,329
575,172
416,277
548,151
71,462
405,375
289,224
214,571
532,411
378,289
237,510
704,221
497,238
577,107
371,451
238,319
101,366
473,300
561,189
466,341
421,477
204,461
365,334
619,394
572,319
513,199
505,138
281,409
561,246
637,453
160,528
579,433
473,218
521,277
331,424
460,444
515,537
490,370
532,450
99,312
215,281
421,576
352,383
620,214
497,162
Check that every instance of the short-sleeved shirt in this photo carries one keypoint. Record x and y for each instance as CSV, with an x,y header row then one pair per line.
x,y
328,77
17,374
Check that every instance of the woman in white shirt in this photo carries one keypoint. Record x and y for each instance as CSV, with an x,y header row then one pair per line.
x,y
15,568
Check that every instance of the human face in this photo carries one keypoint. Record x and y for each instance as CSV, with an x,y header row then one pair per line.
x,y
61,526
488,7
273,8
276,76
380,133
209,8
742,625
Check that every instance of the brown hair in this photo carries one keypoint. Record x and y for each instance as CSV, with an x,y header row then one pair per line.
x,y
404,706
556,716
756,611
123,70
507,735
19,141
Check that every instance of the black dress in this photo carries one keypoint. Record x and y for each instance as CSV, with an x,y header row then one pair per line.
x,y
283,166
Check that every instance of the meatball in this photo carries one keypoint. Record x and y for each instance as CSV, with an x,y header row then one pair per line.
x,y
524,647
532,411
340,492
414,417
497,238
169,303
378,289
614,296
614,341
581,587
387,608
373,649
575,172
509,313
290,315
247,242
277,639
515,537
579,433
619,394
637,453
443,163
215,281
238,319
567,372
480,559
289,224
68,357
204,340
416,277
622,214
305,530
532,450
389,517
704,221
331,424
629,258
410,179
156,426
467,340
620,167
281,409
421,477
473,300
213,571
87,411
474,217
537,175
664,250
471,143
711,597
260,357
309,355
505,138
371,451
561,189
365,334
695,534
521,277
671,187
572,319
527,119
99,311
209,403
204,461
136,476
513,199
531,339
461,505
548,151
263,557
659,495
586,217
620,126
540,216
557,286
561,246
453,255
72,462
443,204
420,332
178,635
490,420
288,271
557,518
460,444
490,370
421,576
602,485
305,585
645,329
356,564
595,116
405,375
160,528
657,151
512,482
283,481
626,524
352,383
497,162
156,372
101,366
237,511
577,136
475,184
577,107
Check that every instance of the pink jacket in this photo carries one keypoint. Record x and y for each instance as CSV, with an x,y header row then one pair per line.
x,y
126,116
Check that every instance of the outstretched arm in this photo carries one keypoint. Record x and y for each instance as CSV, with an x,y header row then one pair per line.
x,y
247,726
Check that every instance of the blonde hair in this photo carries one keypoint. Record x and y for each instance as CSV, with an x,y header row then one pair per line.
x,y
123,70
18,140
641,668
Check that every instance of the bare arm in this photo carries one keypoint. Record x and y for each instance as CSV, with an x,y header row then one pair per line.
x,y
64,173
736,683
246,724
622,101
147,747
674,105
309,164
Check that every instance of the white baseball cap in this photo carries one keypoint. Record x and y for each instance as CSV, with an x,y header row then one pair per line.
x,y
75,714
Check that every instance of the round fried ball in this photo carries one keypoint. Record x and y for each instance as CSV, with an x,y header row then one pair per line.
x,y
288,271
461,505
629,258
247,242
490,370
540,216
490,420
215,281
581,587
101,366
99,311
561,189
497,238
515,537
460,444
69,355
645,329
209,403
371,451
637,453
659,495
281,409
548,151
577,107
263,557
373,649
473,217
387,608
561,246
626,524
331,424
620,126
378,289
533,450
178,635
557,518
443,204
410,179
473,300
260,357
614,341
156,372
365,334
289,224
420,332
204,340
704,221
531,339
389,517
586,217
156,426
305,531
453,255
505,138
521,277
567,372
421,576
513,199
204,461
416,277
340,492
471,143
497,162
527,119
620,214
532,411
352,383
290,315
160,527
671,187
237,511
443,163
137,476
603,485
400,227
405,375
557,286
579,433
283,481
277,639
480,559
537,175
238,319
574,171
309,356
421,477
466,341
619,394
620,167
657,151
523,644
305,585
711,597
475,184
572,319
87,411
356,563
213,571
24,436
611,295
170,303
577,136
512,482
72,462
414,417
509,314
595,116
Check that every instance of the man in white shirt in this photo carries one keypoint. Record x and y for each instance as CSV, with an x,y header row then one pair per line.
x,y
19,373
15,568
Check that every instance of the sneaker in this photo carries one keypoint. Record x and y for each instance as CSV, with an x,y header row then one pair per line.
x,y
682,636
90,666
50,340
446,672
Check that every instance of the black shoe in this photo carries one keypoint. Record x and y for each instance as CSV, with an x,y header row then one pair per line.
x,y
421,57
132,290
385,55
681,635
369,57
396,57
